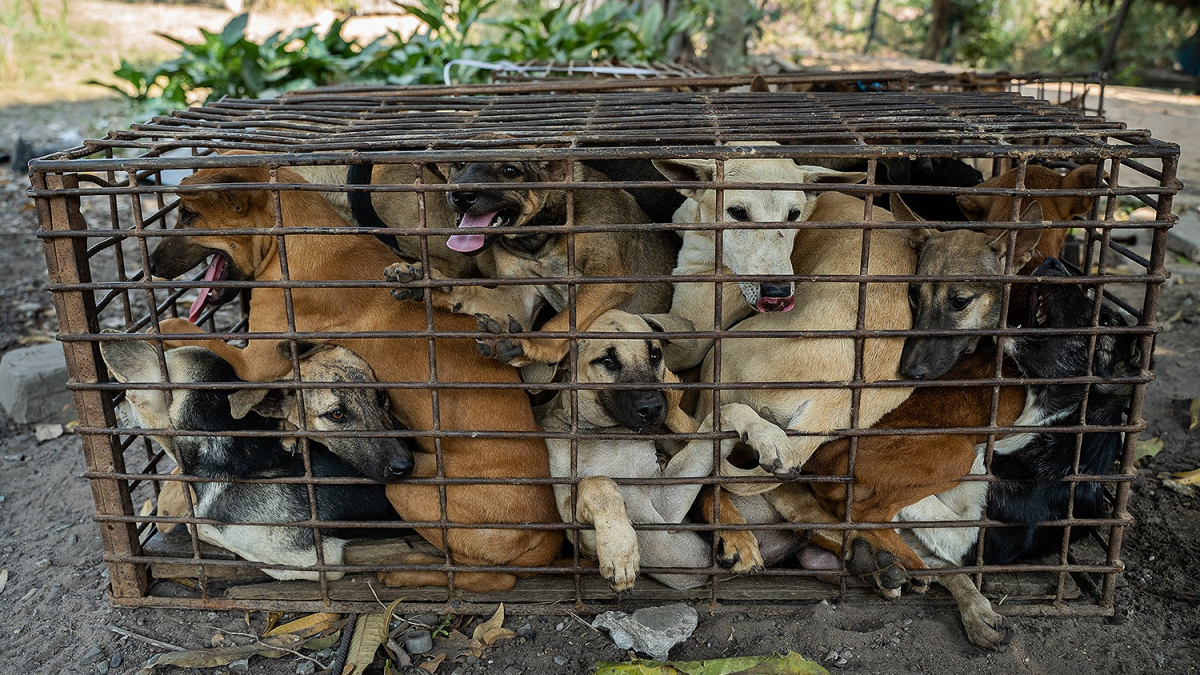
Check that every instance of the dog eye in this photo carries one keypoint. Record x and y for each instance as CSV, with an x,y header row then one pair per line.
x,y
738,213
458,166
960,303
794,214
608,362
337,415
511,171
655,356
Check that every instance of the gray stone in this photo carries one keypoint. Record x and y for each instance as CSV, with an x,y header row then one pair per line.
x,y
306,668
560,660
91,656
33,385
1184,237
652,630
116,660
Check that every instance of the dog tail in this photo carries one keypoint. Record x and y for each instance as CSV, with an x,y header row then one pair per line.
x,y
361,207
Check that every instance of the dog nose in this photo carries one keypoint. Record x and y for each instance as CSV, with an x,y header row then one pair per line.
x,y
399,467
917,371
463,200
649,410
775,290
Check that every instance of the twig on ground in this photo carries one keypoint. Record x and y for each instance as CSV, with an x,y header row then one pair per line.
x,y
142,638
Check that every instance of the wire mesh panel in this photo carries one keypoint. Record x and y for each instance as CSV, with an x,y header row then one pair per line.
x,y
814,286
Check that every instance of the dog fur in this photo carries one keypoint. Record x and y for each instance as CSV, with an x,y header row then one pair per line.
x,y
354,258
219,458
540,255
612,508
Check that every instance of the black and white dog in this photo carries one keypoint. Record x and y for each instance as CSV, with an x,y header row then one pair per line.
x,y
226,457
1032,465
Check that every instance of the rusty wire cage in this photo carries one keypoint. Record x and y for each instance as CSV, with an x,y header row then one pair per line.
x,y
105,206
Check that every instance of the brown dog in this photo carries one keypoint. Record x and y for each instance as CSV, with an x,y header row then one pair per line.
x,y
358,258
545,255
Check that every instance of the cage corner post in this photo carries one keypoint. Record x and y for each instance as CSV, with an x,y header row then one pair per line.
x,y
67,263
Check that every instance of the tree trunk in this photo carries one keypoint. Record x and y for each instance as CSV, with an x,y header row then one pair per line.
x,y
871,27
727,49
939,31
1109,60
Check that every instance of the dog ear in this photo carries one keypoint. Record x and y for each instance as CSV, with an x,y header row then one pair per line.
x,y
819,174
688,170
759,85
557,170
901,212
238,201
1027,238
271,403
1082,178
671,323
131,360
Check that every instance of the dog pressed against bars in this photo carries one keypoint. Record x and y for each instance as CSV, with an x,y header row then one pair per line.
x,y
798,380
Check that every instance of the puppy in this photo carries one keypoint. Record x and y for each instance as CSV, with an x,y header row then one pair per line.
x,y
219,458
974,303
544,255
610,508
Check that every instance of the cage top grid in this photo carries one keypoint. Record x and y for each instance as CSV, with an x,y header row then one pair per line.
x,y
856,124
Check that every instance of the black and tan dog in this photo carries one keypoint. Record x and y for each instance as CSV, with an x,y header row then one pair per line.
x,y
220,458
544,255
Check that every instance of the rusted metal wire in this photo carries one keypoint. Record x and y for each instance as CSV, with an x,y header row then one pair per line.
x,y
100,277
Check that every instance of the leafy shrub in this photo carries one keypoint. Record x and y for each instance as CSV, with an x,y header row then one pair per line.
x,y
229,63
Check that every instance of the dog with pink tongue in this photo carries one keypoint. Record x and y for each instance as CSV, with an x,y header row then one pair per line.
x,y
491,226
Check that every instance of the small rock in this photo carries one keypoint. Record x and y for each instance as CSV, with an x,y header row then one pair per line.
x,y
525,631
908,622
1160,659
240,666
306,668
560,660
211,616
91,656
472,660
560,626
42,564
847,654
116,660
513,670
33,385
102,668
621,639
324,655
841,663
653,630
832,655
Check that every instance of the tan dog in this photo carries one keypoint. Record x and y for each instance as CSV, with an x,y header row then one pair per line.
x,y
397,210
613,508
821,306
358,258
744,251
545,255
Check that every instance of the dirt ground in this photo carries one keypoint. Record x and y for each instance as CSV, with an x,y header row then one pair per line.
x,y
55,616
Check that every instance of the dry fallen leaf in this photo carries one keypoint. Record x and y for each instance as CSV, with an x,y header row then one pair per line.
x,y
787,664
306,627
272,619
1194,409
370,632
489,633
1188,477
47,432
325,642
431,665
3,579
147,508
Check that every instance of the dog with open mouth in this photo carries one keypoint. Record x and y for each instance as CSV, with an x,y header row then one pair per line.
x,y
366,308
537,255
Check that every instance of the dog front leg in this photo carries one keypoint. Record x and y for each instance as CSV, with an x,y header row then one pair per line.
x,y
591,301
739,548
601,504
984,626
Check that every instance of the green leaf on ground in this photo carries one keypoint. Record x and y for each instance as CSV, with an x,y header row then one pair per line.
x,y
1147,447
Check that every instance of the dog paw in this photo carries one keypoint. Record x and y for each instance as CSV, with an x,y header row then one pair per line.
x,y
404,273
879,568
985,628
504,349
618,558
919,585
391,579
739,552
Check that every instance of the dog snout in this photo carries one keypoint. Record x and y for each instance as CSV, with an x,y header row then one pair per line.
x,y
650,410
398,467
775,290
463,200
